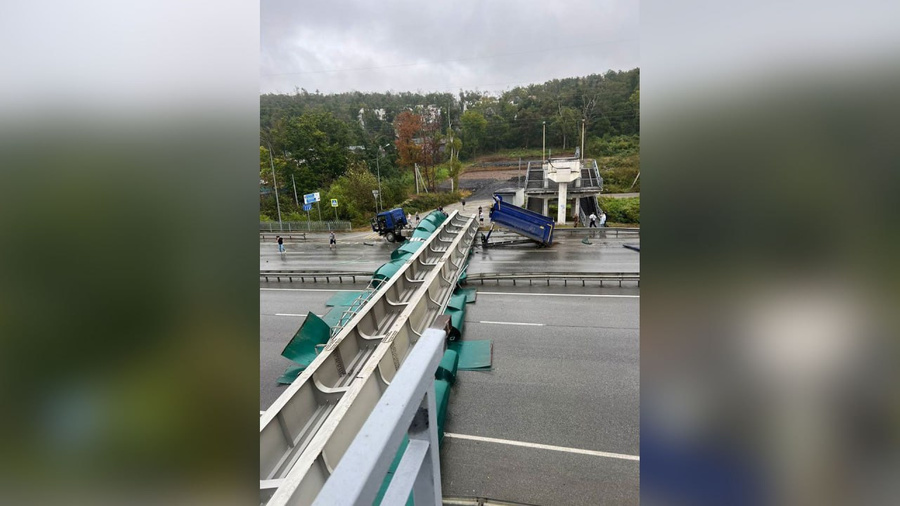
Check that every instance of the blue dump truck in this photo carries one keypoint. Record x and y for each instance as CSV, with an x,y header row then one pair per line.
x,y
530,224
390,224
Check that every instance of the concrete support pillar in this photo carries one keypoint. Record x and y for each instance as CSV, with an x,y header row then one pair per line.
x,y
577,207
546,204
561,207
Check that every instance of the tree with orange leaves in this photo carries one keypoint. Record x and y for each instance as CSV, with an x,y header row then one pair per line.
x,y
408,127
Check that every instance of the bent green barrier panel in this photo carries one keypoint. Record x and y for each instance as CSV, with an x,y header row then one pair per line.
x,y
473,355
302,347
470,294
448,366
442,398
343,299
428,225
386,271
406,249
333,317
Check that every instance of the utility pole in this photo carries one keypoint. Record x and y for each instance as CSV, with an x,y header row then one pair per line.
x,y
296,200
416,174
543,142
582,140
275,186
519,176
378,168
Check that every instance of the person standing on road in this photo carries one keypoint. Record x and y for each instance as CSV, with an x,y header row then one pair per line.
x,y
409,222
593,218
280,241
480,217
602,218
463,204
417,218
332,242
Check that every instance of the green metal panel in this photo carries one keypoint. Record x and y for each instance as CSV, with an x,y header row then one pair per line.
x,y
343,299
457,318
447,369
386,271
302,347
290,374
468,292
457,301
473,355
442,398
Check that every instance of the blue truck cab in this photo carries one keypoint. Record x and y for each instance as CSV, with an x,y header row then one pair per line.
x,y
390,224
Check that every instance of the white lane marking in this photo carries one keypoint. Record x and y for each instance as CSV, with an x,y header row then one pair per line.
x,y
556,294
307,290
513,323
544,447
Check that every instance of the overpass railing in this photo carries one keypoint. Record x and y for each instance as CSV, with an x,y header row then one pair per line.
x,y
304,226
407,408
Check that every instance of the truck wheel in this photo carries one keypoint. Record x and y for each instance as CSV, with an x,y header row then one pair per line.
x,y
390,237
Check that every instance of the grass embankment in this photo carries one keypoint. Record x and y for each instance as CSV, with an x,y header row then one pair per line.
x,y
429,201
622,211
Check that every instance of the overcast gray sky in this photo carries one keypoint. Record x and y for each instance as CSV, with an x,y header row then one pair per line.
x,y
422,45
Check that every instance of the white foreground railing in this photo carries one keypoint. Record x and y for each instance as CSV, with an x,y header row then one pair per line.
x,y
408,407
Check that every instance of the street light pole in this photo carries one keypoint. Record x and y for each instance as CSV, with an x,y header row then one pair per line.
x,y
378,167
544,142
275,185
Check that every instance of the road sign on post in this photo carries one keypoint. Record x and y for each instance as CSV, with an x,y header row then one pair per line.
x,y
307,207
334,203
375,194
309,198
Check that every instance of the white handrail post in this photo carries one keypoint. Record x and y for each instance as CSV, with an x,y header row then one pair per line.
x,y
408,406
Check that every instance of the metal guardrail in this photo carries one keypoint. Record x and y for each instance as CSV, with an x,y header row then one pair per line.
x,y
564,276
306,431
307,226
408,407
315,276
290,236
598,231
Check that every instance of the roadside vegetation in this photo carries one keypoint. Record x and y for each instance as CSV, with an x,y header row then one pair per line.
x,y
340,145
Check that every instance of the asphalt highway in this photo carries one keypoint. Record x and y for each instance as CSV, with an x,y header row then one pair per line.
x,y
556,420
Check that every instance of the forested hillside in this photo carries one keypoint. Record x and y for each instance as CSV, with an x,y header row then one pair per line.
x,y
338,144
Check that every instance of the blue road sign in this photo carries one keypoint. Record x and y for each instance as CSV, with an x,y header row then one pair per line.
x,y
307,207
309,198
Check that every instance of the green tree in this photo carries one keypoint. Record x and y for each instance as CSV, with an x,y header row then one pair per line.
x,y
454,145
474,127
354,193
318,143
